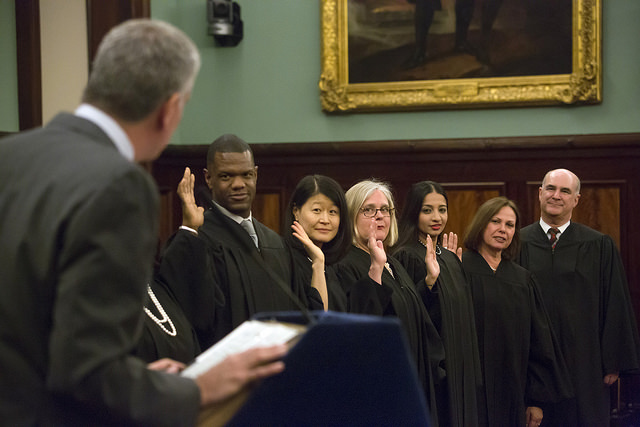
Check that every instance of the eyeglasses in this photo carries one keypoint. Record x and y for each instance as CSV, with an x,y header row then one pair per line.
x,y
370,211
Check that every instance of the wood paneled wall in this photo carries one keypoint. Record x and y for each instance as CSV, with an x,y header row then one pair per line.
x,y
103,15
472,171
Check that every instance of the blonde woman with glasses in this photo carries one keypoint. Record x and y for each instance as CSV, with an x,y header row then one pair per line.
x,y
375,283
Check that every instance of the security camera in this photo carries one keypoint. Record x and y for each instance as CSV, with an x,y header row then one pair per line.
x,y
225,24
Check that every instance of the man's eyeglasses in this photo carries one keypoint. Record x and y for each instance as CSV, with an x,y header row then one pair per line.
x,y
370,212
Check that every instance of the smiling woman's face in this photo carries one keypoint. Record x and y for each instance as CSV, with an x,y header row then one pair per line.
x,y
319,217
433,215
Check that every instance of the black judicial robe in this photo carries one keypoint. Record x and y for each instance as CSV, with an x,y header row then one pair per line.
x,y
184,265
301,276
155,342
245,276
450,307
520,356
584,287
397,296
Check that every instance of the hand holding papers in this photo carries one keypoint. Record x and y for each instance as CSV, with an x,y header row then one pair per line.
x,y
233,364
250,334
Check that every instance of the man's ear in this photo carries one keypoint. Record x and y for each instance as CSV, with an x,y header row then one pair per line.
x,y
207,177
170,112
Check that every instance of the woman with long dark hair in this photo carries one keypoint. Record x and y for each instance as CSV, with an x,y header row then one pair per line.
x,y
448,300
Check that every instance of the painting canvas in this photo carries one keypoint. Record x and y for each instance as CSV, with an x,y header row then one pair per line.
x,y
413,54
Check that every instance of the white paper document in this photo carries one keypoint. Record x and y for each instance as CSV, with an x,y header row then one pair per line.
x,y
250,334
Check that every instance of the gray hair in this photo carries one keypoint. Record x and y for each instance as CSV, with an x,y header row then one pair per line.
x,y
356,197
575,178
139,65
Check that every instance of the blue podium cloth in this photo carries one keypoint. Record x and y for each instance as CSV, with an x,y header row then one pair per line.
x,y
347,369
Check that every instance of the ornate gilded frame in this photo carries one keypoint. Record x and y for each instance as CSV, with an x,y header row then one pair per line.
x,y
582,86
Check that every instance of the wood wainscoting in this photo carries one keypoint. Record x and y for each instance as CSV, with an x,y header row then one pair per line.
x,y
471,170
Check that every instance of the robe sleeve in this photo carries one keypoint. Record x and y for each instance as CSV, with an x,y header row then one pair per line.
x,y
413,264
547,375
337,296
185,270
314,300
363,294
417,269
301,276
619,339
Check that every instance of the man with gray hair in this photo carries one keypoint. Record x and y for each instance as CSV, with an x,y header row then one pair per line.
x,y
584,288
78,232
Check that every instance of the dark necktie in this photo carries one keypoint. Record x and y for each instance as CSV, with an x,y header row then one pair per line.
x,y
554,239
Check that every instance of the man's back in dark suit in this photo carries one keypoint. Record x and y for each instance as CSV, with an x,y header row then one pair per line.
x,y
78,222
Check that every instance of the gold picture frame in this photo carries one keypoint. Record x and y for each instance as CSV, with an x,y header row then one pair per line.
x,y
581,85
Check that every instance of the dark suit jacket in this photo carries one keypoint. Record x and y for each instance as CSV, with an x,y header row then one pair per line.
x,y
77,238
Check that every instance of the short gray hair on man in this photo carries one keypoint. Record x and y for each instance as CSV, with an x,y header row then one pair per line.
x,y
358,194
139,65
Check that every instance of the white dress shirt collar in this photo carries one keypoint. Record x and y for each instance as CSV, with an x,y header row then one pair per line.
x,y
109,126
546,227
225,212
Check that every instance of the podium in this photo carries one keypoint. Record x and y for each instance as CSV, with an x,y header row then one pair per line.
x,y
347,369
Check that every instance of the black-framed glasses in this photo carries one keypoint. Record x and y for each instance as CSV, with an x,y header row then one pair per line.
x,y
370,211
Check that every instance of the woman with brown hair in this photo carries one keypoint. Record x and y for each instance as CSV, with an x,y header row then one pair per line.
x,y
521,361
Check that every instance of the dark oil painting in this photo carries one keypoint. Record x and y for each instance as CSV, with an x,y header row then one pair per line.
x,y
410,40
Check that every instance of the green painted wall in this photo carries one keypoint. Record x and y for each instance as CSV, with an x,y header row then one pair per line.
x,y
266,88
8,68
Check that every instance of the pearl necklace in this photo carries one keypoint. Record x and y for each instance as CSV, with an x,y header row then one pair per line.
x,y
388,267
165,318
438,250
